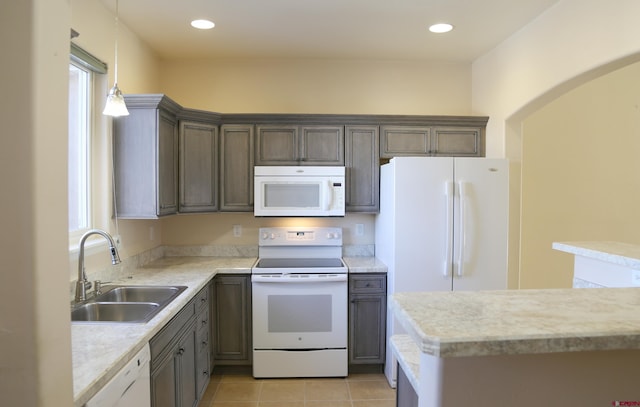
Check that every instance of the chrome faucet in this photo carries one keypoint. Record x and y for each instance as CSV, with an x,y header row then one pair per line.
x,y
82,285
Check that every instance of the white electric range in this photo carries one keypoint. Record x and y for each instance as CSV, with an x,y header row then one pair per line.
x,y
299,293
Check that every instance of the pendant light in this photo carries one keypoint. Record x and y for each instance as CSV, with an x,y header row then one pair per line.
x,y
115,100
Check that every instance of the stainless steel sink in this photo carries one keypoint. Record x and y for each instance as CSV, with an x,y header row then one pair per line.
x,y
115,312
126,304
159,294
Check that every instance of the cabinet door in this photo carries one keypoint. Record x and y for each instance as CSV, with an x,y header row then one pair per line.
x,y
163,384
368,328
236,168
231,316
367,318
186,380
167,163
145,150
362,169
277,145
321,145
398,141
457,141
198,167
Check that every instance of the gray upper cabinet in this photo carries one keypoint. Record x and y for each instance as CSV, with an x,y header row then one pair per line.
x,y
362,169
236,168
168,159
398,141
457,141
145,147
299,145
437,140
198,165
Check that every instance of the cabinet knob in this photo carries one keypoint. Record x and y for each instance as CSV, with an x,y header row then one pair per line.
x,y
180,351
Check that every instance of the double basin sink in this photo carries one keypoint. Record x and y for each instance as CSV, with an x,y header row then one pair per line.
x,y
126,304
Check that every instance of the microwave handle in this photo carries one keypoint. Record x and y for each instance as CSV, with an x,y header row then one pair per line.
x,y
329,196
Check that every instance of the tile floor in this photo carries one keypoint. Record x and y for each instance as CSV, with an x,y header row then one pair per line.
x,y
363,390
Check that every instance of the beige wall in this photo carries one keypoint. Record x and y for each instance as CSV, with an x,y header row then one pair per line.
x,y
319,86
35,340
580,174
217,229
555,53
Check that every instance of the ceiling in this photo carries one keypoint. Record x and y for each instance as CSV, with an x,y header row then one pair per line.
x,y
342,29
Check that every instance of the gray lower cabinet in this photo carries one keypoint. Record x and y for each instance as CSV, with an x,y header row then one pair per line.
x,y
145,145
362,169
236,167
231,316
299,145
180,356
367,318
198,167
447,141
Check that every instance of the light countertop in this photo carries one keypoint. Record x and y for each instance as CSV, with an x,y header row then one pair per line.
x,y
623,254
480,323
364,265
99,351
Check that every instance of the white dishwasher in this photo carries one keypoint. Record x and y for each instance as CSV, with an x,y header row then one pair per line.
x,y
130,387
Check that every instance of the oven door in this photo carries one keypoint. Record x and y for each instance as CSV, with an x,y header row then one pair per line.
x,y
299,311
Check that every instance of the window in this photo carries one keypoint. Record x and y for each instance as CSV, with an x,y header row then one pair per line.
x,y
80,85
85,71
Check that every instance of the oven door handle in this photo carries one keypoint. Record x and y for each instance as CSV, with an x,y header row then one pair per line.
x,y
298,278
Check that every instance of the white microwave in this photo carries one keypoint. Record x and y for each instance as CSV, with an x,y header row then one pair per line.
x,y
298,191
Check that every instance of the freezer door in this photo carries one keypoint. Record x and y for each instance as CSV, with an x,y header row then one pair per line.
x,y
481,221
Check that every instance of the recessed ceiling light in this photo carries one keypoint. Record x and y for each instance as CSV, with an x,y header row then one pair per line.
x,y
441,28
203,24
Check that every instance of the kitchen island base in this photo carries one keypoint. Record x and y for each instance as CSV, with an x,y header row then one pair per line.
x,y
597,378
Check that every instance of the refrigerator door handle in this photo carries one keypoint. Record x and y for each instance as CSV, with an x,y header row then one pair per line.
x,y
462,202
448,258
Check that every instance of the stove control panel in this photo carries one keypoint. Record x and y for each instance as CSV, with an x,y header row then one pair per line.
x,y
300,236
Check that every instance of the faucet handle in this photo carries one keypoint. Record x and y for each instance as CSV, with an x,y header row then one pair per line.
x,y
98,286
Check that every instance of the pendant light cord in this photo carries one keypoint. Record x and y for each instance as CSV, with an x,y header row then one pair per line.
x,y
115,74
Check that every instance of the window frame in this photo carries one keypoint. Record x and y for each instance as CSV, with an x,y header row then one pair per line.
x,y
98,151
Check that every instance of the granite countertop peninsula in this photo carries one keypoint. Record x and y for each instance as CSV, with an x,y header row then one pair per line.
x,y
511,322
622,254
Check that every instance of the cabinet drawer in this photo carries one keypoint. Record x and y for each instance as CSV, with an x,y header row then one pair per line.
x,y
201,299
368,284
202,320
168,334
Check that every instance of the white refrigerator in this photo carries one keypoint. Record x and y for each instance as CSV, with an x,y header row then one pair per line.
x,y
442,226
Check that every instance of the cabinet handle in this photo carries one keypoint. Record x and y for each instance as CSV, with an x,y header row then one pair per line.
x,y
203,300
181,351
204,322
204,343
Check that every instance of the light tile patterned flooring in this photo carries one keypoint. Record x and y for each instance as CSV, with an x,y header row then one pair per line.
x,y
362,390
